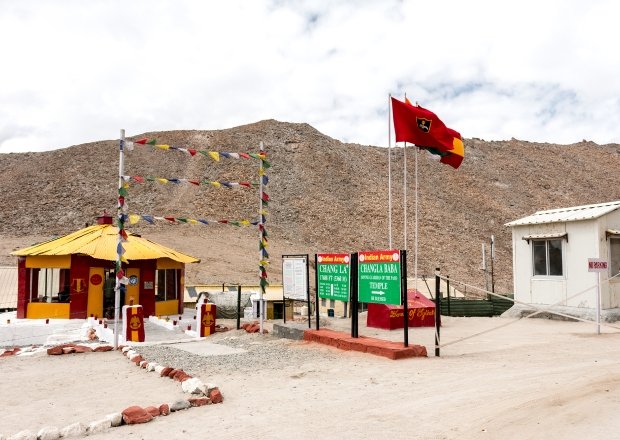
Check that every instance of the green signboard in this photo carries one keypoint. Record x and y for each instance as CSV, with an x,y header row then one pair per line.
x,y
333,276
379,277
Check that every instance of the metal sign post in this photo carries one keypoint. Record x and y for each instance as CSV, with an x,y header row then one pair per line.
x,y
598,265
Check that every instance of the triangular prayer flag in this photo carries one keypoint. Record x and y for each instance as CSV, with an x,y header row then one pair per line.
x,y
152,142
214,155
244,155
149,219
133,219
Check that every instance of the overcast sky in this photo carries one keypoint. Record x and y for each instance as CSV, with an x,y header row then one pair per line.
x,y
78,71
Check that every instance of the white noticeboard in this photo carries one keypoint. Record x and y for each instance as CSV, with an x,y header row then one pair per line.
x,y
294,277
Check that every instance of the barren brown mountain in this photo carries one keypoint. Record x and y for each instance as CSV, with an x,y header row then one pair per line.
x,y
325,196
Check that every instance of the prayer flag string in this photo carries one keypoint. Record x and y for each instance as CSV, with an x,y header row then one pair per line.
x,y
196,182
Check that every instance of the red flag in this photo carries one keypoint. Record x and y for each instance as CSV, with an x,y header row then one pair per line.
x,y
421,127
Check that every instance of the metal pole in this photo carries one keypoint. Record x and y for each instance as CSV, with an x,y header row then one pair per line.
x,y
405,196
119,214
260,233
598,303
448,288
403,294
238,306
492,261
316,288
389,171
354,296
308,291
437,310
415,256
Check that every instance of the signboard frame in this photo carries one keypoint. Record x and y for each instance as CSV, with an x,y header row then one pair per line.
x,y
299,262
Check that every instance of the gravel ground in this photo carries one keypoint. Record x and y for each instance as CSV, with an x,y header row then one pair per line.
x,y
261,353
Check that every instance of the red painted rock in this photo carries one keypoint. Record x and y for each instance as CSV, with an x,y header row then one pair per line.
x,y
183,377
245,325
137,359
53,351
12,352
67,350
104,348
199,401
82,349
216,396
172,372
143,364
164,409
179,375
136,414
152,411
165,371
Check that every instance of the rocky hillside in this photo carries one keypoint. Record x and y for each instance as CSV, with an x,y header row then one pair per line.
x,y
325,196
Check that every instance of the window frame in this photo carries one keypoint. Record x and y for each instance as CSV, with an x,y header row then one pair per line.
x,y
610,240
167,296
548,257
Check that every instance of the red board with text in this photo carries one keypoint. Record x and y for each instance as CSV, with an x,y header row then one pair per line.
x,y
421,312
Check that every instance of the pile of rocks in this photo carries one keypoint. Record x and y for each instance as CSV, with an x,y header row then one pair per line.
x,y
253,327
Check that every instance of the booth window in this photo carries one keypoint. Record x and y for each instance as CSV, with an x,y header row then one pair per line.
x,y
49,285
547,257
167,285
614,254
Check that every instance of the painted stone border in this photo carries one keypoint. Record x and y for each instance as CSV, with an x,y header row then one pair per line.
x,y
202,394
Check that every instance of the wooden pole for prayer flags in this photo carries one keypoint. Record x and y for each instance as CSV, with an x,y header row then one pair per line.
x,y
119,256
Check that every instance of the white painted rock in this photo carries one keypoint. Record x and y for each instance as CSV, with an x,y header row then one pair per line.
x,y
23,435
159,369
151,366
134,357
48,433
99,426
193,386
125,349
116,419
73,430
131,353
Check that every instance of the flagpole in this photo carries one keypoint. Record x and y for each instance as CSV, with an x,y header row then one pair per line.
x,y
405,196
415,255
389,171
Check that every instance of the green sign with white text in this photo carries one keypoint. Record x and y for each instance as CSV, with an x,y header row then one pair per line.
x,y
379,277
333,276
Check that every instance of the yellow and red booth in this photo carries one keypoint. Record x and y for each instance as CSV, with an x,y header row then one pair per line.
x,y
421,313
133,323
74,276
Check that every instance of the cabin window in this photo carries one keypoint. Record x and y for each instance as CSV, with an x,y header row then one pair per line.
x,y
167,284
547,257
614,255
49,285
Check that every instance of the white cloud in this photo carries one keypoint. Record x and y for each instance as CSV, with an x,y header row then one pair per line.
x,y
77,71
